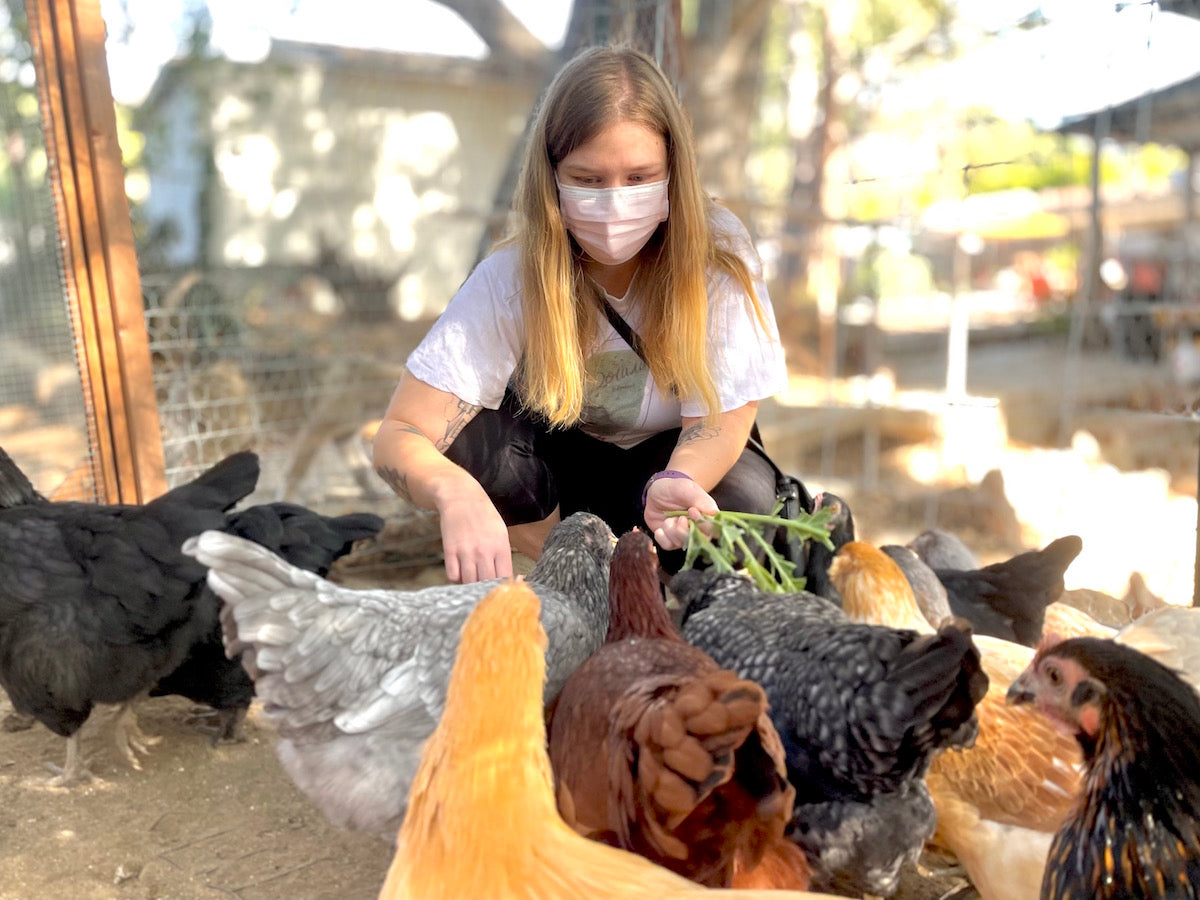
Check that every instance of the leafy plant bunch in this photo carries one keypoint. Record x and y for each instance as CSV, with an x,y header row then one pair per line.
x,y
736,539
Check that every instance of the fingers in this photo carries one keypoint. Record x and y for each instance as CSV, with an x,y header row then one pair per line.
x,y
466,569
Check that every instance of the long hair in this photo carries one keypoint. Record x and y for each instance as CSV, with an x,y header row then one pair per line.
x,y
598,88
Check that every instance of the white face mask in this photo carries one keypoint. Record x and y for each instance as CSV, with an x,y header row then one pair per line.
x,y
613,224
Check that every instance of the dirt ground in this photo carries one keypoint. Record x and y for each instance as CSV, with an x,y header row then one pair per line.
x,y
211,823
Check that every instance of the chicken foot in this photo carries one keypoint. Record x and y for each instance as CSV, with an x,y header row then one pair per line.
x,y
227,727
129,736
73,771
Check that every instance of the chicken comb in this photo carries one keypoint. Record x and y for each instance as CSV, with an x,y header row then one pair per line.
x,y
1049,641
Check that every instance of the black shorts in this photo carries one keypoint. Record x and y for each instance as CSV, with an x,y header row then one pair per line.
x,y
529,469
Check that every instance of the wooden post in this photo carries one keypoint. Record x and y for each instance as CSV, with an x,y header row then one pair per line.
x,y
100,266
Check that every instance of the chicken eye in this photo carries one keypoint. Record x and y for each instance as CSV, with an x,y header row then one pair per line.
x,y
1053,675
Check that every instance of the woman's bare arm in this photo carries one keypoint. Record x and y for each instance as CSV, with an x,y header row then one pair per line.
x,y
420,424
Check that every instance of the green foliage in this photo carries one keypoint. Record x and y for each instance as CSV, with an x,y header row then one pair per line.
x,y
737,538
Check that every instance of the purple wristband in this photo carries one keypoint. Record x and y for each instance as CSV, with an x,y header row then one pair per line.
x,y
665,473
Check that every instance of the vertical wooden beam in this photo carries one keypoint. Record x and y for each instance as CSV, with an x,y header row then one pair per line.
x,y
104,289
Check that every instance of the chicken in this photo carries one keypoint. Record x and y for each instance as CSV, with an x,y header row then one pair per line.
x,y
354,680
929,592
861,711
1008,599
1000,801
658,750
1135,832
1170,635
841,530
97,603
1064,621
941,549
481,819
304,538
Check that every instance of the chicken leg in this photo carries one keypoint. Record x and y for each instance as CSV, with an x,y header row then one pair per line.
x,y
73,771
128,735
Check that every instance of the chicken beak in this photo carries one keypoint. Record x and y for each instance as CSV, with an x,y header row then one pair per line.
x,y
1021,691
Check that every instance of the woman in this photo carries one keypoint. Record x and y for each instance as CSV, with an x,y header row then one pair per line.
x,y
524,404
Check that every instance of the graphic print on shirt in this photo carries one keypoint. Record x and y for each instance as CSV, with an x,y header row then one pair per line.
x,y
612,402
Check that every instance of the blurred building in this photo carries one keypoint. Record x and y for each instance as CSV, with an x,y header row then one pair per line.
x,y
379,170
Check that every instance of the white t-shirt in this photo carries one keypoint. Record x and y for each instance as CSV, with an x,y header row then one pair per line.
x,y
473,348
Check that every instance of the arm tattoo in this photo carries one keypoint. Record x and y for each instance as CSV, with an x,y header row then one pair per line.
x,y
396,480
457,422
698,432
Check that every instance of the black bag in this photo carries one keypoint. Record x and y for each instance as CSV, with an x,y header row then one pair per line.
x,y
793,498
790,491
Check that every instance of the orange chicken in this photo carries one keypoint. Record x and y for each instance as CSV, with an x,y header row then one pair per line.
x,y
481,819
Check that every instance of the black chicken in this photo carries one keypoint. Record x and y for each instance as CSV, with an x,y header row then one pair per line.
x,y
1135,833
1008,599
98,604
306,539
861,709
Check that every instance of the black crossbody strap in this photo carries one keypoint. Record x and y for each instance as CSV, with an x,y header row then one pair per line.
x,y
628,335
791,490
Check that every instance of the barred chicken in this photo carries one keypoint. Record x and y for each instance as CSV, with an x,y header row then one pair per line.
x,y
861,711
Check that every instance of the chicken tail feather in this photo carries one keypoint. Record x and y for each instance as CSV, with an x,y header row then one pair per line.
x,y
681,739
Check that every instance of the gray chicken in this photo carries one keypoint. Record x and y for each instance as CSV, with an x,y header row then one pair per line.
x,y
861,710
928,590
355,680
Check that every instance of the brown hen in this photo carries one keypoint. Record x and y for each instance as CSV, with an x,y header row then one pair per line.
x,y
1135,833
657,749
481,820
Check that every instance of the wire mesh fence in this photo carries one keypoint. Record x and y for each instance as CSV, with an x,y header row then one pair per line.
x,y
43,422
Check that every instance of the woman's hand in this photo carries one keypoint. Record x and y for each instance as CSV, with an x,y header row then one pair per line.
x,y
475,540
670,495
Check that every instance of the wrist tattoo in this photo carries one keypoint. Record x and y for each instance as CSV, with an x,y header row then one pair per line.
x,y
457,422
698,432
396,480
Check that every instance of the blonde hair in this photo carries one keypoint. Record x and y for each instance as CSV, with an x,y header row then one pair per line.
x,y
598,88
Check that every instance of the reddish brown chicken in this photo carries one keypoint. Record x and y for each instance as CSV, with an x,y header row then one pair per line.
x,y
657,749
1135,833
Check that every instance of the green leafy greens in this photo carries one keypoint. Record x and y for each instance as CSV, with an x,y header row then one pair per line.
x,y
737,540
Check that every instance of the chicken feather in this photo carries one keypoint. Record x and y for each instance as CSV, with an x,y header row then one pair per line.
x,y
1135,831
357,694
658,750
481,817
1021,776
856,709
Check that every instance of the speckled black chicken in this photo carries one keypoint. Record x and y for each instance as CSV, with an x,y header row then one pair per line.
x,y
861,710
659,750
1135,833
